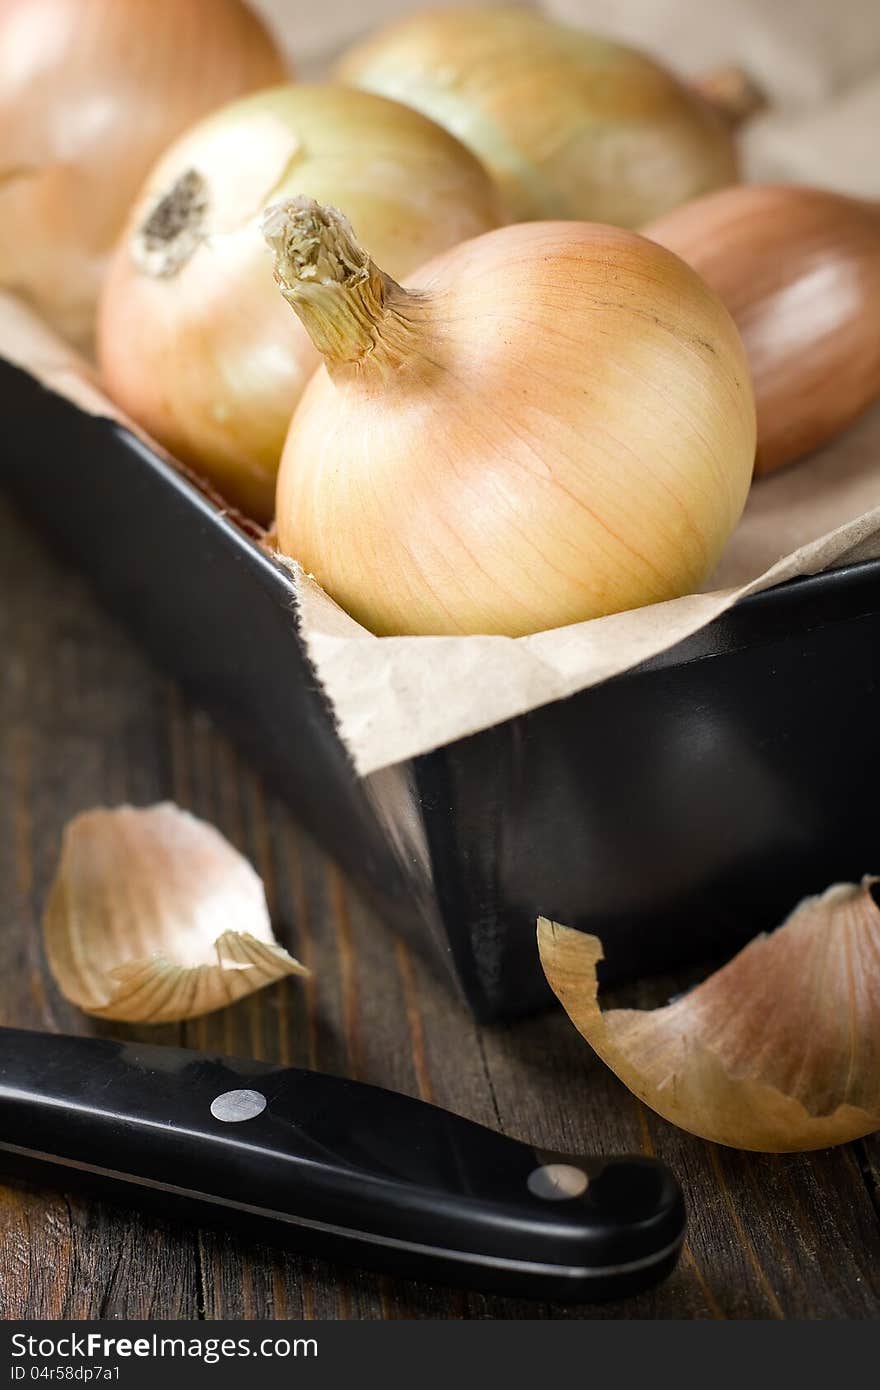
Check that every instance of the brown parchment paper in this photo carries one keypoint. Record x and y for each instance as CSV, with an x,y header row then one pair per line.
x,y
396,697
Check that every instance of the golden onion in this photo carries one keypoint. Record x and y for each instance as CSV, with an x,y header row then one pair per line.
x,y
552,423
571,125
193,338
91,92
799,269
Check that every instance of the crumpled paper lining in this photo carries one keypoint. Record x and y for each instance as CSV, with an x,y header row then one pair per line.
x,y
396,697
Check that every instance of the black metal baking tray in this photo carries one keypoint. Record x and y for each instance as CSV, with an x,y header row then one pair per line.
x,y
676,810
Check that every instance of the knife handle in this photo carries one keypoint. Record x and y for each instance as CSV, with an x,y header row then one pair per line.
x,y
335,1167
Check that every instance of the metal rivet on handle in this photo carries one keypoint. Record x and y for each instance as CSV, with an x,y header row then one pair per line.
x,y
234,1106
557,1182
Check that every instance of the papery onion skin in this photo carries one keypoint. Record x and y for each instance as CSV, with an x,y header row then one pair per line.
x,y
571,125
153,917
799,269
91,92
778,1051
203,352
554,422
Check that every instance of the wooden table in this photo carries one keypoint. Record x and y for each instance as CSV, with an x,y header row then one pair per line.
x,y
85,720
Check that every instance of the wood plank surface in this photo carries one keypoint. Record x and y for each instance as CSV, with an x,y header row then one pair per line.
x,y
85,720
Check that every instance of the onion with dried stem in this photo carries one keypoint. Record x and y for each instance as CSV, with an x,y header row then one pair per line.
x,y
154,917
552,422
91,92
570,124
194,340
799,269
778,1051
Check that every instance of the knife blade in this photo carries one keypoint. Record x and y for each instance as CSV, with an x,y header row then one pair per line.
x,y
333,1167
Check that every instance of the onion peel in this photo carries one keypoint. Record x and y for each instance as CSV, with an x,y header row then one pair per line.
x,y
778,1051
139,921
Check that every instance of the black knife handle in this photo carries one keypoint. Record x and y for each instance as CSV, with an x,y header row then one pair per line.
x,y
336,1167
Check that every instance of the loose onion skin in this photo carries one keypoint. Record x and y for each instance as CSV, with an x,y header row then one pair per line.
x,y
554,422
153,917
570,125
799,269
91,92
778,1051
193,338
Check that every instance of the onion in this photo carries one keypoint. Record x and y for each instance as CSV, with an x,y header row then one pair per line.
x,y
554,422
799,269
193,338
571,125
91,92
